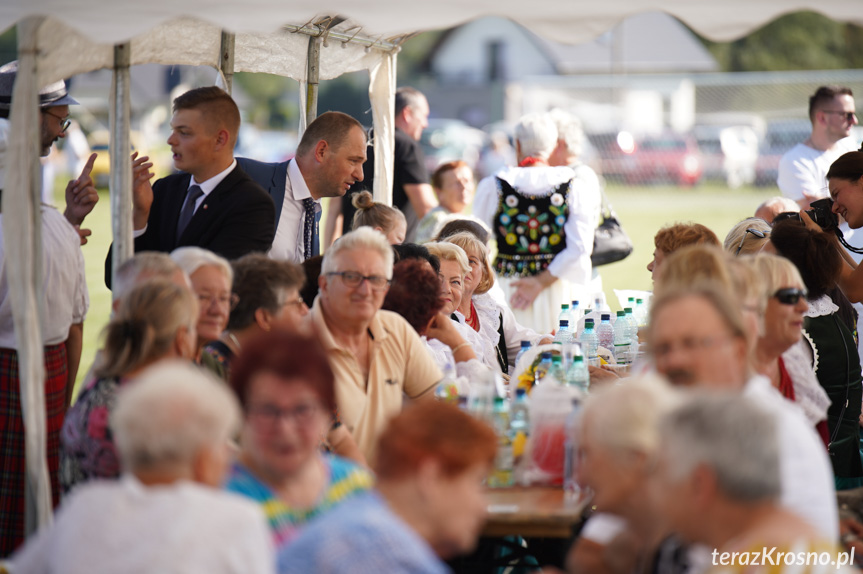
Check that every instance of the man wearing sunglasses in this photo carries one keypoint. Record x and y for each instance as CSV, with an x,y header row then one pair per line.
x,y
803,168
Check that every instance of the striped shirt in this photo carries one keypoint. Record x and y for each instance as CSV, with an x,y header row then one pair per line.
x,y
346,479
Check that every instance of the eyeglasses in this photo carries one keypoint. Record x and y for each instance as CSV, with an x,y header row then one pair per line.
x,y
790,295
849,116
756,232
270,415
689,345
353,279
64,122
221,299
298,302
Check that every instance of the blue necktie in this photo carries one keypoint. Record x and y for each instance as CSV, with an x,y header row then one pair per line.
x,y
188,209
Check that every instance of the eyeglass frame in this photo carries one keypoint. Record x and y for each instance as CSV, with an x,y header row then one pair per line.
x,y
270,415
233,300
790,295
756,232
359,277
849,116
64,122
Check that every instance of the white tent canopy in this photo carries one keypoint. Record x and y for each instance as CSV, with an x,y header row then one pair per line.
x,y
61,38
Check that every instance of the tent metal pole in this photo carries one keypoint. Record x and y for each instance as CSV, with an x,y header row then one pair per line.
x,y
226,59
313,76
121,167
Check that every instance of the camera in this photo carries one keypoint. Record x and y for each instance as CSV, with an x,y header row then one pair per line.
x,y
822,214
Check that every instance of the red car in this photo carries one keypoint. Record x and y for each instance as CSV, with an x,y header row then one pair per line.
x,y
671,158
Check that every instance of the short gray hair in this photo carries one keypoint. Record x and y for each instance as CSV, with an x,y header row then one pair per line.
x,y
149,264
731,435
625,417
569,130
786,203
190,259
362,238
536,135
168,414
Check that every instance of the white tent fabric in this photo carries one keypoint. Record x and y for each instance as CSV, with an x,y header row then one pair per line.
x,y
569,21
162,31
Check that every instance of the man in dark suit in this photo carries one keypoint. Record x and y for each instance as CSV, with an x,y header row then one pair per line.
x,y
212,203
329,160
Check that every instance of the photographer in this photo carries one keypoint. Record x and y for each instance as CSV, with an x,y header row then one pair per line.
x,y
845,183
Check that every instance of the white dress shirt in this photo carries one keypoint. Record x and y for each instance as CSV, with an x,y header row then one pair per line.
x,y
65,299
288,244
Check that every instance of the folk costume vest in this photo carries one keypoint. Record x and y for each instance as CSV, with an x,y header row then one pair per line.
x,y
529,229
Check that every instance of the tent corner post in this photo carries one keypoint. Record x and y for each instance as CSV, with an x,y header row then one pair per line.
x,y
313,77
226,59
120,183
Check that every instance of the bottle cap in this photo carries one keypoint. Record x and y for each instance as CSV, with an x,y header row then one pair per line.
x,y
639,301
606,317
621,313
546,354
574,304
631,299
628,310
564,306
564,322
498,401
577,359
588,322
520,392
525,344
557,359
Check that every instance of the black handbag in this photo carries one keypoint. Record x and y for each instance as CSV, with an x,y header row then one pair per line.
x,y
610,241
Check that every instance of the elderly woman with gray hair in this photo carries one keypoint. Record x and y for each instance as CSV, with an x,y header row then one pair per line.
x,y
544,219
212,278
167,513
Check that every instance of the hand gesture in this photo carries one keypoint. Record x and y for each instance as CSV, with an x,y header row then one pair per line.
x,y
83,234
444,330
81,195
142,192
526,290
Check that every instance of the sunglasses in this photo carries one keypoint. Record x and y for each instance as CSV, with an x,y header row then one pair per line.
x,y
756,232
790,295
849,116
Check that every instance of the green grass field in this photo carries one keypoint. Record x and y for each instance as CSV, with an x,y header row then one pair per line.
x,y
641,210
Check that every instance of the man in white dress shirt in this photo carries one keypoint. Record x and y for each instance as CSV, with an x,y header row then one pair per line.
x,y
328,162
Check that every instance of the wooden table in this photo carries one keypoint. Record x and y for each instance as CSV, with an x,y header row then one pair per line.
x,y
533,511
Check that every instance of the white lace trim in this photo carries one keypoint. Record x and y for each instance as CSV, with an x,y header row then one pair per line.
x,y
822,306
808,393
485,351
488,311
813,348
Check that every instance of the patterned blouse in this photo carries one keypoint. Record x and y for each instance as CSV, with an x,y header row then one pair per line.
x,y
346,479
87,448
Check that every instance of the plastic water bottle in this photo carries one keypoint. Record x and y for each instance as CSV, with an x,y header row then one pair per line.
x,y
543,367
501,476
483,391
447,389
577,375
641,313
565,314
605,332
564,335
519,424
574,312
622,341
556,371
589,341
570,480
632,324
525,347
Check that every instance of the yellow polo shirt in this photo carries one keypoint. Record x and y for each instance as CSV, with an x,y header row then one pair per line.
x,y
399,365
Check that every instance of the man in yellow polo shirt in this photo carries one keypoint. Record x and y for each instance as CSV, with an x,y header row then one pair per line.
x,y
376,355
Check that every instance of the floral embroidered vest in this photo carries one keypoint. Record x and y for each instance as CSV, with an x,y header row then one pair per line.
x,y
529,229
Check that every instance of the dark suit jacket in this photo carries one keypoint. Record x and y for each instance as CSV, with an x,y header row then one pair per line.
x,y
236,218
271,176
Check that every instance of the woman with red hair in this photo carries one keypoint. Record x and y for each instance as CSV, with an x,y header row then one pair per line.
x,y
428,503
284,383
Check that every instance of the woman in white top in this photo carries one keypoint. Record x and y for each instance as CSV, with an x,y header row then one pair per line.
x,y
493,321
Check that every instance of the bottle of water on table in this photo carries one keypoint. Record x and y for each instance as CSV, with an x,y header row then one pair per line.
x,y
605,332
589,342
501,476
